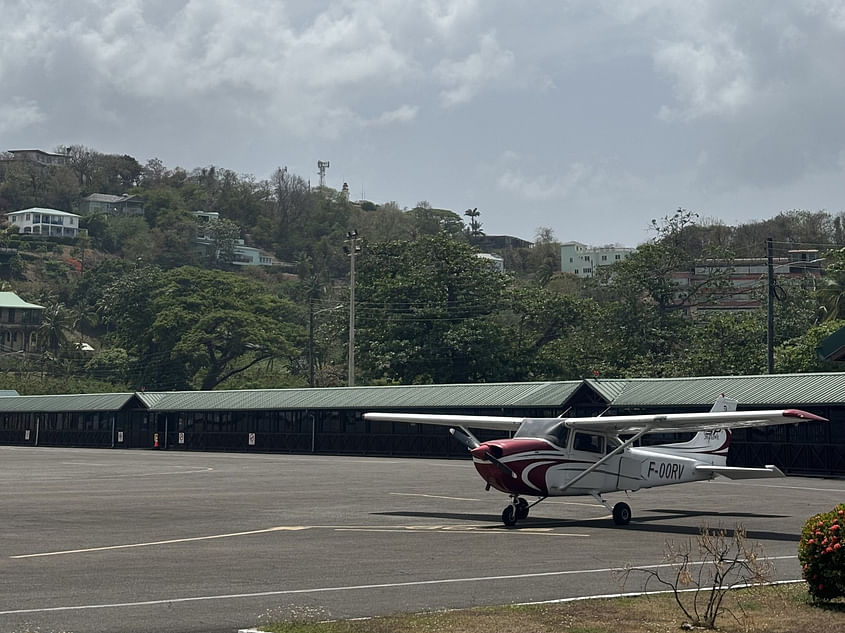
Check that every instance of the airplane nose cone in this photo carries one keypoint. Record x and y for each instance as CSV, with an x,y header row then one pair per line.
x,y
479,452
484,451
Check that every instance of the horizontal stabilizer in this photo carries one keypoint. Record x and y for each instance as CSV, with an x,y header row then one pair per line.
x,y
733,472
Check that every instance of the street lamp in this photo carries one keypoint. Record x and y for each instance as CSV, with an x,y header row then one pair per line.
x,y
351,250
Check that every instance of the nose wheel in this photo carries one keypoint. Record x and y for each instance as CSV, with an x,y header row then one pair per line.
x,y
516,511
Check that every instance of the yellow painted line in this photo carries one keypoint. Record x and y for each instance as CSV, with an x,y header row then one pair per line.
x,y
167,542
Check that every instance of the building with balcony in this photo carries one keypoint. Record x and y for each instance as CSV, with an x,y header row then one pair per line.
x,y
108,204
51,222
19,322
37,156
582,261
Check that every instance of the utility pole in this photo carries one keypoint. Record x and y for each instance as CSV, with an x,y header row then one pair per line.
x,y
351,250
770,307
310,340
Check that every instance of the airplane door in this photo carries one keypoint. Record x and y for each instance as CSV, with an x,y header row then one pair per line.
x,y
630,474
589,448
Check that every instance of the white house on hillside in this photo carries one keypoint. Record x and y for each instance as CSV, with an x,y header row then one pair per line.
x,y
582,260
242,254
50,222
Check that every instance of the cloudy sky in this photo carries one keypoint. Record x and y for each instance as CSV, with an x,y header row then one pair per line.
x,y
589,117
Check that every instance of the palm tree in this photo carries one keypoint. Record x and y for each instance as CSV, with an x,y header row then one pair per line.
x,y
832,297
56,325
831,294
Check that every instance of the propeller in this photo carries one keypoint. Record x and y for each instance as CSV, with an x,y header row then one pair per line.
x,y
465,437
471,442
500,464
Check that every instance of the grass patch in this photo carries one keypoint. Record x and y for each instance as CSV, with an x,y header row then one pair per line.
x,y
773,609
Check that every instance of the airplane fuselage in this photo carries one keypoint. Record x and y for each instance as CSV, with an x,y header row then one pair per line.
x,y
539,468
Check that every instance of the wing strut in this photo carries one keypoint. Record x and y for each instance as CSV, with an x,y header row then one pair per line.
x,y
604,459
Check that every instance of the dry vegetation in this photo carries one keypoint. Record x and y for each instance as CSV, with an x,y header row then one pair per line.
x,y
772,609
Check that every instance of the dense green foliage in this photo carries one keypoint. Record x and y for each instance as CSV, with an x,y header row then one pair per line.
x,y
193,328
162,314
822,554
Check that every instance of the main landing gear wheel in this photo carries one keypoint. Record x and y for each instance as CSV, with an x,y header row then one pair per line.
x,y
521,509
621,513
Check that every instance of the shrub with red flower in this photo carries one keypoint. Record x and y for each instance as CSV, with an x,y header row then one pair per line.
x,y
822,554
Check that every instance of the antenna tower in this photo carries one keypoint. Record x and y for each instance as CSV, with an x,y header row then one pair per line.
x,y
322,166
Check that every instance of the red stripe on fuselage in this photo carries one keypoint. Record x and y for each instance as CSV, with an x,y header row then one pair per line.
x,y
529,458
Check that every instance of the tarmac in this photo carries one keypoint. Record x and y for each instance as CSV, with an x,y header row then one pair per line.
x,y
116,541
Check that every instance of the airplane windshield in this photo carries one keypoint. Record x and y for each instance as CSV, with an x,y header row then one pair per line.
x,y
554,431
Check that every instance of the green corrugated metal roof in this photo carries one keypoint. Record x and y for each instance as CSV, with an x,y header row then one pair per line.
x,y
484,395
607,389
776,389
12,300
71,403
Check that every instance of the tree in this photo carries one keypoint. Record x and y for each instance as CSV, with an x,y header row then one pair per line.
x,y
538,324
428,221
224,236
474,228
189,327
424,313
291,200
831,293
799,354
56,326
722,344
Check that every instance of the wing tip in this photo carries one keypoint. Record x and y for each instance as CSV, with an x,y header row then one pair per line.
x,y
803,415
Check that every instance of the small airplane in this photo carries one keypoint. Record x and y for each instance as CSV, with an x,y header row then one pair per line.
x,y
552,457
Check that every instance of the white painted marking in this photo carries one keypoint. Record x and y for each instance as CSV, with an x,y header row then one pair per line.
x,y
635,594
463,530
417,494
317,590
168,542
66,478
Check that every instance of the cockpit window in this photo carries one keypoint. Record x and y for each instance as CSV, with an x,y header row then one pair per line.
x,y
589,442
554,431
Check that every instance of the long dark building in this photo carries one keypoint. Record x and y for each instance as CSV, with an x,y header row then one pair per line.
x,y
330,421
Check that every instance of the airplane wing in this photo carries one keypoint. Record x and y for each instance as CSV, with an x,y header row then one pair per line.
x,y
679,422
495,423
660,423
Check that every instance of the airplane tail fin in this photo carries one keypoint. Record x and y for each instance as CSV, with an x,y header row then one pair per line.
x,y
724,404
709,446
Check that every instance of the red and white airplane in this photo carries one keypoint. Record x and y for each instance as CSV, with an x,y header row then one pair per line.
x,y
551,457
